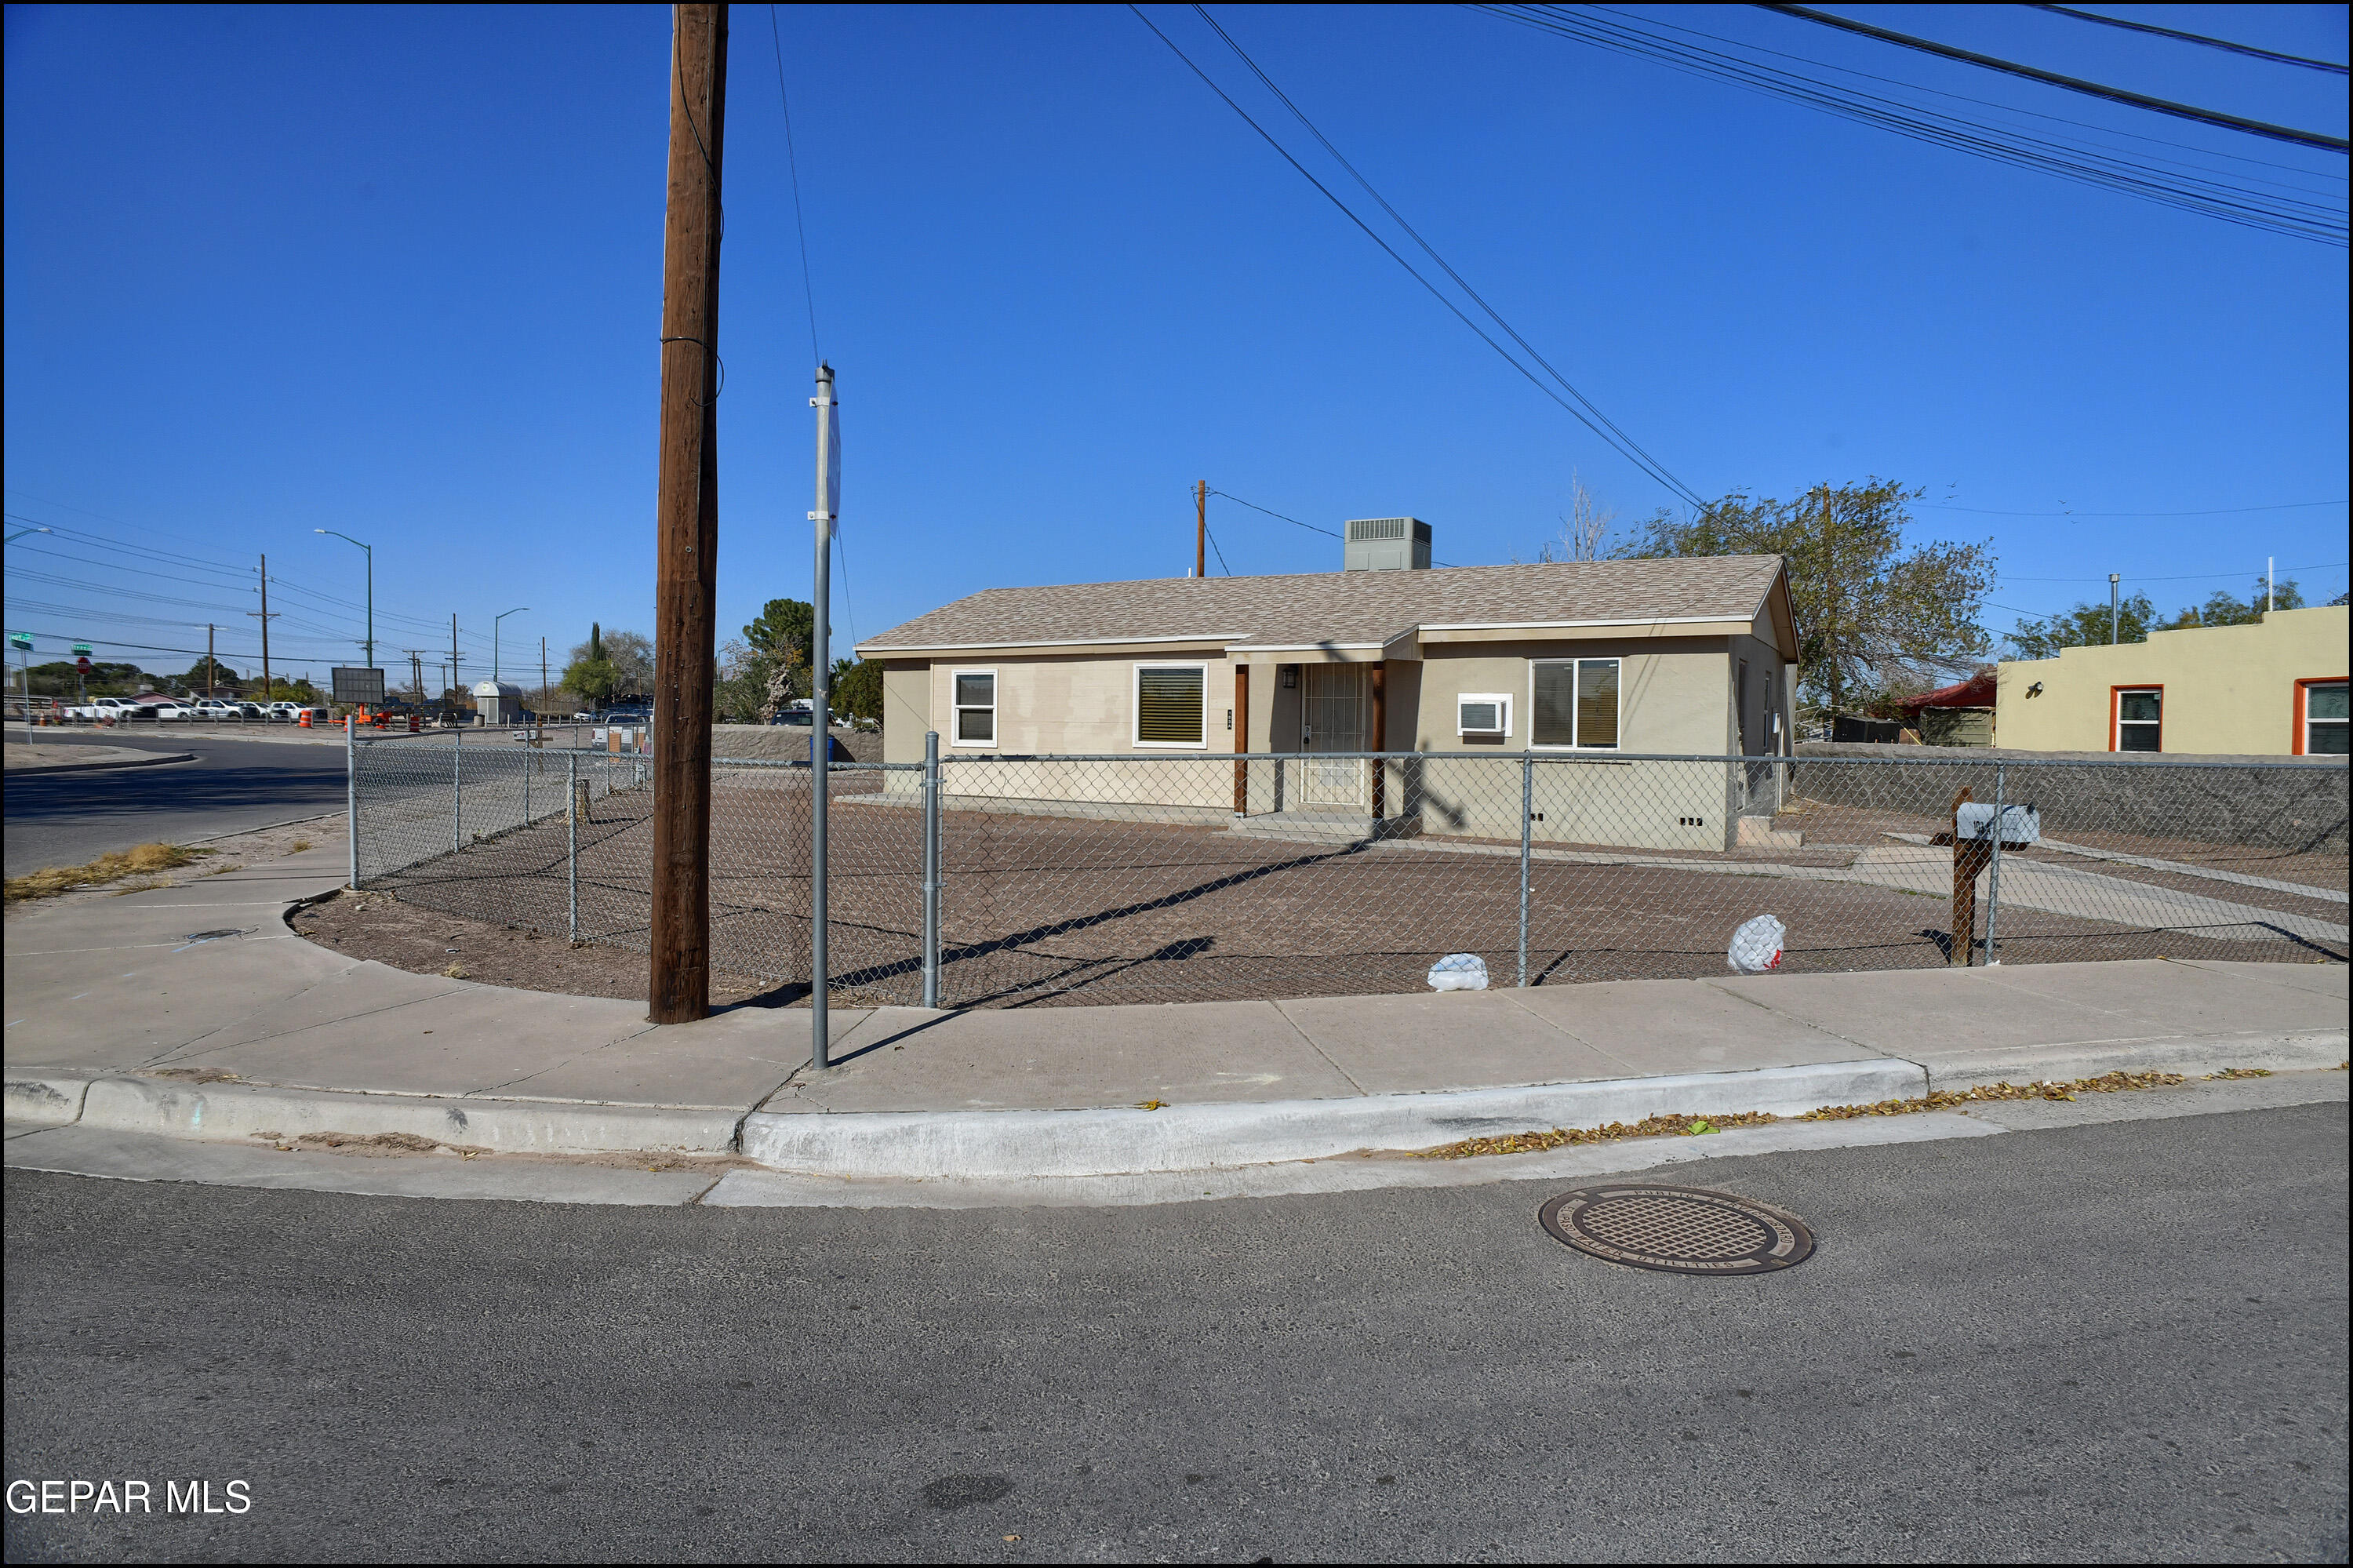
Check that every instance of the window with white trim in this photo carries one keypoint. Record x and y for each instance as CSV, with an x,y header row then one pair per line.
x,y
1483,712
1169,700
974,695
2325,718
1574,703
2140,719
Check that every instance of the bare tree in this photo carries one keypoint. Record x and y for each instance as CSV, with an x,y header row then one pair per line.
x,y
1582,527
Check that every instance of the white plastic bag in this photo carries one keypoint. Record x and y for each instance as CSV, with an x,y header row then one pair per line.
x,y
1459,972
1756,946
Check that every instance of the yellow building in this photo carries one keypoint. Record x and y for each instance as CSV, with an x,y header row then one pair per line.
x,y
2272,688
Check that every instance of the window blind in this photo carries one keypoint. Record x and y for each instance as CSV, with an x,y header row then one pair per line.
x,y
1168,705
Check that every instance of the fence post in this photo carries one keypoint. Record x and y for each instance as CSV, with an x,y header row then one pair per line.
x,y
1993,878
457,790
351,797
571,844
932,868
1527,814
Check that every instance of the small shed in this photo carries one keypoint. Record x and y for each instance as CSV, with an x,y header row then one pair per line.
x,y
1958,715
500,702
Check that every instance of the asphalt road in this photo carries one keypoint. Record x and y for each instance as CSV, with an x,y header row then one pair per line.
x,y
67,819
2118,1342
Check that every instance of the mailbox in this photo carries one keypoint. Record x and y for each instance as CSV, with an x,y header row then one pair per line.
x,y
2021,825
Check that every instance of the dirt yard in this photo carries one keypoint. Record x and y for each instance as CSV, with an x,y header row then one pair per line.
x,y
1040,910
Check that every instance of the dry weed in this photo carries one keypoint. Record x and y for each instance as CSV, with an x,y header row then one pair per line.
x,y
108,867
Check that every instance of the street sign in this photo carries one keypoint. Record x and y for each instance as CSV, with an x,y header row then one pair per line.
x,y
82,649
355,685
21,641
82,666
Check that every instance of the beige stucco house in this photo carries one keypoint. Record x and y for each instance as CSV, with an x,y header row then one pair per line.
x,y
2275,687
1163,682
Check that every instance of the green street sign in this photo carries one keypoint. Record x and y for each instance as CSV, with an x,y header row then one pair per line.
x,y
82,649
21,639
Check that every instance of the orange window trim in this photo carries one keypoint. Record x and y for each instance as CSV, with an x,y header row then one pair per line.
x,y
2116,700
2300,716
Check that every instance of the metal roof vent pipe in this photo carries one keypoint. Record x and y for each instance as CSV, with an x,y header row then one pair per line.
x,y
1387,545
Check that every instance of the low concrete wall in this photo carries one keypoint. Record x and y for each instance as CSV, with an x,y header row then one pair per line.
x,y
2302,805
787,743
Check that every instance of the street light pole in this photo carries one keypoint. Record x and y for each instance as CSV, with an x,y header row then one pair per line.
x,y
371,589
494,638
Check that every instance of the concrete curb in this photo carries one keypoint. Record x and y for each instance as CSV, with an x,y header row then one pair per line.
x,y
986,1145
2195,1055
222,1112
42,771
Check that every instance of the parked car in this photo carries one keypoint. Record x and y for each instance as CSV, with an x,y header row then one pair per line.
x,y
800,716
176,711
284,711
116,709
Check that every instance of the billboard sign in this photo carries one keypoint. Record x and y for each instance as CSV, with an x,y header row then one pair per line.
x,y
355,685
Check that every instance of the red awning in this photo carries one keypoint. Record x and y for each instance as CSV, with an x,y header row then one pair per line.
x,y
1977,692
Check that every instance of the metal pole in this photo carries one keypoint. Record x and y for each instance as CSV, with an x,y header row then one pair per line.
x,y
456,791
352,795
572,841
1527,815
2115,634
821,717
930,868
1993,882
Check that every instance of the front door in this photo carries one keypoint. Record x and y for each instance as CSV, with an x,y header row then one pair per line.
x,y
1335,713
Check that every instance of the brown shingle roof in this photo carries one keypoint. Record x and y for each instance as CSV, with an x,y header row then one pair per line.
x,y
1345,608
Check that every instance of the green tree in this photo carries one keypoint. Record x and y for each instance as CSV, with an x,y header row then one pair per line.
x,y
196,679
787,627
2224,609
2085,626
857,689
1875,615
590,672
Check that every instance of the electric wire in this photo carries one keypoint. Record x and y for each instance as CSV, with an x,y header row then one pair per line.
x,y
2248,49
2072,83
792,162
1653,463
2322,221
2217,511
1663,478
1295,523
2010,109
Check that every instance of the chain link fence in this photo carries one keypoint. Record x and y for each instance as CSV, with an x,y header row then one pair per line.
x,y
1188,877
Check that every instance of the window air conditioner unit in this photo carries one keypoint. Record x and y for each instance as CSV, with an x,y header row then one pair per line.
x,y
1483,712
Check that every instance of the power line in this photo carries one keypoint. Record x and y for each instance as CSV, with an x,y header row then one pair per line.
x,y
1213,547
1295,523
2072,83
2184,577
2322,221
1980,103
2248,49
792,162
1650,464
1664,478
2217,511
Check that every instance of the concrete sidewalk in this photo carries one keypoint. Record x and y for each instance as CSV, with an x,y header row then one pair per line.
x,y
193,1011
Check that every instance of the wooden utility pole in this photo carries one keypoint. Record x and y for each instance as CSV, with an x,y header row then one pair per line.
x,y
208,659
452,690
1201,528
265,627
686,512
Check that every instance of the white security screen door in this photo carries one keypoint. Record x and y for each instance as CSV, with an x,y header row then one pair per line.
x,y
1335,712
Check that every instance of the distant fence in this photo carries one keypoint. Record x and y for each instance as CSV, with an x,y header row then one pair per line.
x,y
1155,878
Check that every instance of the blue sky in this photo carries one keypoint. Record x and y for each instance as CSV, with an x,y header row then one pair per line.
x,y
398,273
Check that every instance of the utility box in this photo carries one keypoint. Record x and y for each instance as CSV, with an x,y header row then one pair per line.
x,y
500,702
2021,826
1385,545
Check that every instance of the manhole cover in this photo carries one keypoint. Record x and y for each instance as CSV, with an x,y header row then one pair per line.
x,y
1680,1230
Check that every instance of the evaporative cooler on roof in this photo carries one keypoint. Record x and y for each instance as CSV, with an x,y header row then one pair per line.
x,y
1387,545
